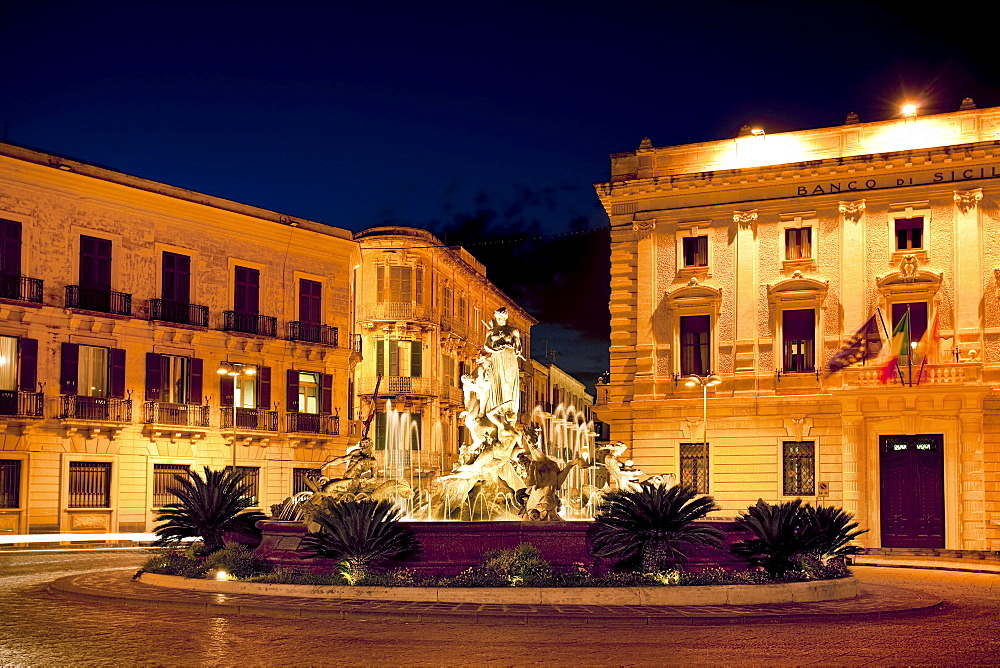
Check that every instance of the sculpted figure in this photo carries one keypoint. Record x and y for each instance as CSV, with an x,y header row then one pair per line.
x,y
621,475
544,478
503,343
360,464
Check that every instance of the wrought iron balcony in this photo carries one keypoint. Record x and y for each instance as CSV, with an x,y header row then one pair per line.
x,y
21,288
98,409
253,419
399,385
312,423
395,311
22,404
250,323
103,301
313,333
180,415
181,313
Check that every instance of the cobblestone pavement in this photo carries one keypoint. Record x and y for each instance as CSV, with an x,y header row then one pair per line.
x,y
40,627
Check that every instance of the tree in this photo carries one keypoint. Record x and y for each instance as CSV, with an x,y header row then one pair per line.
x,y
208,506
653,526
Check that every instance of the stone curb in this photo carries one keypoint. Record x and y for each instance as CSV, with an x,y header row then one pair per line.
x,y
793,592
874,602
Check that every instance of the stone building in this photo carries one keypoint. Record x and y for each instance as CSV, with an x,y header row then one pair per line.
x,y
552,387
422,313
146,329
755,259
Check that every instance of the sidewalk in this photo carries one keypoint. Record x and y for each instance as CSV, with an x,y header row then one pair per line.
x,y
875,602
968,564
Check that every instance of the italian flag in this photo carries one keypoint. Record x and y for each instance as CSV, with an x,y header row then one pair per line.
x,y
898,345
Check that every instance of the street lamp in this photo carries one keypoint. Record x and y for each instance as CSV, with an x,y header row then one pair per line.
x,y
705,382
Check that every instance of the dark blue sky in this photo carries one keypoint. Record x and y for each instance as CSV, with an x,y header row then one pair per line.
x,y
479,119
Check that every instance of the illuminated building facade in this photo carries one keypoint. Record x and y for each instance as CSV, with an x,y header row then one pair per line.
x,y
552,387
756,259
422,311
146,330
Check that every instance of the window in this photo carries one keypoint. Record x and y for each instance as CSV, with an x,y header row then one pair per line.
x,y
173,379
917,322
799,466
310,301
176,278
309,392
696,251
399,358
95,263
399,284
93,372
89,485
695,339
909,233
409,423
246,293
799,332
694,466
10,248
461,309
299,479
448,370
446,301
250,389
164,481
798,243
10,483
8,363
252,478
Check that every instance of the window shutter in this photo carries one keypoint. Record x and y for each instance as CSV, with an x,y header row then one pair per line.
x,y
10,248
154,376
326,396
117,373
264,387
195,375
27,367
69,368
380,284
292,390
416,359
380,357
227,391
419,285
393,358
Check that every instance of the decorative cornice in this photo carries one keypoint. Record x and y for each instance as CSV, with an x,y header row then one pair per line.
x,y
643,225
968,199
745,218
852,210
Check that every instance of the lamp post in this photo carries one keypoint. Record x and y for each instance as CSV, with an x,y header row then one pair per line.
x,y
706,382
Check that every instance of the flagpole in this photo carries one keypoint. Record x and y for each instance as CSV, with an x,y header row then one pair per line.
x,y
888,337
909,345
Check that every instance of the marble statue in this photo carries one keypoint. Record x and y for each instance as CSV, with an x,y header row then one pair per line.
x,y
544,478
503,343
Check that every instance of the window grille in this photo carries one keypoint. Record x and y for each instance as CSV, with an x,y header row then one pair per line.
x,y
10,483
164,481
694,466
252,478
89,485
799,468
299,479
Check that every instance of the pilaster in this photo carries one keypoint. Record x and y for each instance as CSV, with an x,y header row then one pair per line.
x,y
968,269
747,285
852,269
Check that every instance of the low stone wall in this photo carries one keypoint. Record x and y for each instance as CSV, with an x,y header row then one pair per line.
x,y
451,547
794,592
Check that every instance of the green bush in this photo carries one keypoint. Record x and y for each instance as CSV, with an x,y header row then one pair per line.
x,y
285,576
171,562
238,561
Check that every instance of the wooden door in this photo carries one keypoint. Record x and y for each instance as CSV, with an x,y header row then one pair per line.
x,y
912,503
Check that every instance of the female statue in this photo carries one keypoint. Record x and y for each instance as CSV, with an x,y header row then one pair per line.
x,y
503,342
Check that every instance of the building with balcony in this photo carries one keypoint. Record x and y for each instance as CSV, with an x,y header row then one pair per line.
x,y
756,259
422,310
146,330
551,387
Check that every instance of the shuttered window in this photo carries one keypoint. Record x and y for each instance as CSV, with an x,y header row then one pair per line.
x,y
10,248
89,485
310,301
246,293
176,278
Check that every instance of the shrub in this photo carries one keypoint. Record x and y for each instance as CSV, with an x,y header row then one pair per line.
x,y
653,528
284,576
208,507
828,531
363,535
170,562
238,561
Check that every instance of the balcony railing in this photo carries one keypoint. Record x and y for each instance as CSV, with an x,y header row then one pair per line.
x,y
311,423
104,301
100,409
399,385
253,419
21,288
455,395
181,313
453,324
961,373
250,323
313,333
180,415
396,311
356,343
22,404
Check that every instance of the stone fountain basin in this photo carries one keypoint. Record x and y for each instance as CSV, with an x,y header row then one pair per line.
x,y
793,592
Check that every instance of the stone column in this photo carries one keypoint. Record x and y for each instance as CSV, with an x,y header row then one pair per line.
x,y
853,448
747,285
852,271
973,509
968,270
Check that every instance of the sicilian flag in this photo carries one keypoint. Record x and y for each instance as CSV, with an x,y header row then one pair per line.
x,y
899,345
929,347
864,344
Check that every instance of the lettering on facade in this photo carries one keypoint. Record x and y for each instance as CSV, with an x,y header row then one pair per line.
x,y
832,187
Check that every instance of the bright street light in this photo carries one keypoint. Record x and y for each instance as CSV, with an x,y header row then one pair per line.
x,y
705,382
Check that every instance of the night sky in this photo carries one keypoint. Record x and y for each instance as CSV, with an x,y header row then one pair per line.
x,y
486,123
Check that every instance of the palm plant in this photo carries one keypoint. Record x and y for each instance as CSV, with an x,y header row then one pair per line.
x,y
364,535
779,535
653,526
828,531
208,506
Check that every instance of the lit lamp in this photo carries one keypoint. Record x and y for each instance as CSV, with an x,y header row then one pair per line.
x,y
705,382
235,369
909,110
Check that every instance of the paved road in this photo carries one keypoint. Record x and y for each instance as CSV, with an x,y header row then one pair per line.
x,y
39,628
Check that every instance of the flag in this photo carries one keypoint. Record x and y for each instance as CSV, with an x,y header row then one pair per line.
x,y
899,345
929,347
866,343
